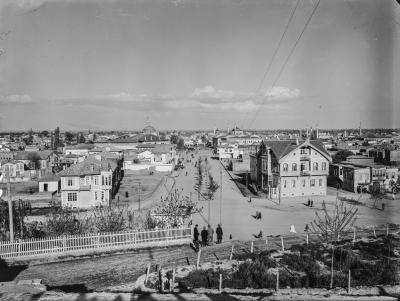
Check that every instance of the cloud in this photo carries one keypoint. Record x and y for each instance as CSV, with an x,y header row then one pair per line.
x,y
16,99
205,99
282,93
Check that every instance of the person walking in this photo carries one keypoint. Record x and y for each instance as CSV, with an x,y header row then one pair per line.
x,y
204,235
196,233
219,234
210,235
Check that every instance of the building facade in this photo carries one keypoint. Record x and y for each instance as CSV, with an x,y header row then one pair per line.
x,y
90,183
290,168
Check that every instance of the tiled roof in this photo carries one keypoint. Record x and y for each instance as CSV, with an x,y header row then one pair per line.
x,y
282,147
49,177
27,155
90,166
80,146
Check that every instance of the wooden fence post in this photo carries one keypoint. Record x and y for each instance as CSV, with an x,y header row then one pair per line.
x,y
187,260
173,280
283,246
198,259
252,247
277,280
266,242
147,273
231,255
307,238
387,229
160,280
220,283
349,282
373,227
354,235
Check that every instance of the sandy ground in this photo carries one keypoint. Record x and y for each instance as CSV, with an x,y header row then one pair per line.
x,y
235,212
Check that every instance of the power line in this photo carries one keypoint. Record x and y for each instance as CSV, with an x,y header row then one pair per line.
x,y
290,54
278,46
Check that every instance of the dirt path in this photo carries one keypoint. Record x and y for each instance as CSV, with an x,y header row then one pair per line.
x,y
97,273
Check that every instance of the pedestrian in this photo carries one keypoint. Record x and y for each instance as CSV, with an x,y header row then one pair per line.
x,y
307,228
196,233
204,235
312,203
219,234
383,206
210,235
309,203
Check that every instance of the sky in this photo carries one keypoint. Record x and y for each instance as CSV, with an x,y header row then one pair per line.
x,y
198,64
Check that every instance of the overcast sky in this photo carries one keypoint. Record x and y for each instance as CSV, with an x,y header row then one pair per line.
x,y
197,64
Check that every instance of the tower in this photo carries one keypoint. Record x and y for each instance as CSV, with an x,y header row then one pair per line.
x,y
359,130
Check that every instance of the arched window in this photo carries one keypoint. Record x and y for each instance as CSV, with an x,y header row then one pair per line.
x,y
315,166
294,167
285,167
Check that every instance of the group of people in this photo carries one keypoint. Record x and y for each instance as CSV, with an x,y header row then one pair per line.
x,y
207,235
310,203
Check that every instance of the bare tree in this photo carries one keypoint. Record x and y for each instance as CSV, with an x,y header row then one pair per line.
x,y
329,226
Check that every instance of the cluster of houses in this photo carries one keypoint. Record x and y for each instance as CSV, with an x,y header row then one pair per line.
x,y
86,175
302,164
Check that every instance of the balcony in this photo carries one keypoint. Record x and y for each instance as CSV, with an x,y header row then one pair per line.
x,y
305,157
305,173
84,187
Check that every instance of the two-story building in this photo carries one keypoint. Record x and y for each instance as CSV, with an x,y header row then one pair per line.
x,y
88,183
290,168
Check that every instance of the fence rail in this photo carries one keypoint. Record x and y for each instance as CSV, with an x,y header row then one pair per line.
x,y
86,243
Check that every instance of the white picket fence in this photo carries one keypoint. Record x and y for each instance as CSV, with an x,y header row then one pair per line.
x,y
88,243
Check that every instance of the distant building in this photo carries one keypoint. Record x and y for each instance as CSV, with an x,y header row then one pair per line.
x,y
49,183
81,149
290,168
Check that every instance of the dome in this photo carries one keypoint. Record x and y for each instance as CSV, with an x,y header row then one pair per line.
x,y
149,130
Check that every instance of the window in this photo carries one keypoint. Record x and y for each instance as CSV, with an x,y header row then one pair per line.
x,y
302,151
303,183
284,184
323,165
294,167
96,180
312,182
315,166
72,197
302,167
102,180
294,183
285,167
102,195
109,180
341,172
95,195
70,181
320,182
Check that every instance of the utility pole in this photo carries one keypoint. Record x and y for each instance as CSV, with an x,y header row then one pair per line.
x,y
10,207
220,195
139,192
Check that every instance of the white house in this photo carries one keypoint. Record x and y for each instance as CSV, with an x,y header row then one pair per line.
x,y
229,152
88,183
290,168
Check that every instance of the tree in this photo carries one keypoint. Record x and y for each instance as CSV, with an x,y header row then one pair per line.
x,y
180,144
68,137
341,156
330,226
174,139
44,134
35,160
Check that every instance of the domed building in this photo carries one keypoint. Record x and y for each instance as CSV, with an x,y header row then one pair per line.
x,y
149,130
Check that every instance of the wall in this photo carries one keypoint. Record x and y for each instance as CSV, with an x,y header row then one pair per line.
x,y
52,186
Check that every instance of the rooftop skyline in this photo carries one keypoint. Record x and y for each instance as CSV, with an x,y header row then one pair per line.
x,y
198,64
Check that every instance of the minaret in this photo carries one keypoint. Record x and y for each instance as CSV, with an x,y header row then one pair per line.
x,y
359,130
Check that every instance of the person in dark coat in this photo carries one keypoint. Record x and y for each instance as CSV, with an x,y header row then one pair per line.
x,y
196,233
204,235
219,234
